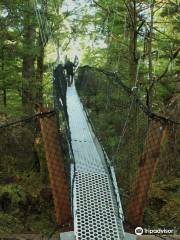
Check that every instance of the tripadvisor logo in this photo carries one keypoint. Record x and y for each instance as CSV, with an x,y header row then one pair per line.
x,y
139,231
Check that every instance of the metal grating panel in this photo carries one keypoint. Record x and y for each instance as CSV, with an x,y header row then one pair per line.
x,y
94,209
96,204
85,151
87,157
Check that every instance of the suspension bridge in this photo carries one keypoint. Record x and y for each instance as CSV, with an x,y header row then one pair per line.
x,y
84,187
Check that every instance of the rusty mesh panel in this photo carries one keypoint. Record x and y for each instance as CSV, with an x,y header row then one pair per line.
x,y
147,167
56,169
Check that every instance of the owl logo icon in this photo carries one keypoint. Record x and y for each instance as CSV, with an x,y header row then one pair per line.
x,y
139,231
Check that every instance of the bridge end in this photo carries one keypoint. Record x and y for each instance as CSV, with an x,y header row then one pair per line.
x,y
67,236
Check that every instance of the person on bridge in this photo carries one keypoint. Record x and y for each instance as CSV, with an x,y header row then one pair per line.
x,y
69,67
60,86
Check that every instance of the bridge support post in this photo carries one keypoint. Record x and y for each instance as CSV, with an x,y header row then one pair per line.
x,y
56,169
147,168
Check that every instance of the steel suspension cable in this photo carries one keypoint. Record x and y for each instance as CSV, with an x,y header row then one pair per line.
x,y
47,31
132,92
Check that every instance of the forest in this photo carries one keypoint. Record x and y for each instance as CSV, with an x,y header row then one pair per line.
x,y
128,79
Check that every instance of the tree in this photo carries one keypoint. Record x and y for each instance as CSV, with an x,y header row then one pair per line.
x,y
28,58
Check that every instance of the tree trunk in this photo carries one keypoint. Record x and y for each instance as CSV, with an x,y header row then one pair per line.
x,y
4,97
39,74
58,51
150,62
133,61
28,69
4,87
40,57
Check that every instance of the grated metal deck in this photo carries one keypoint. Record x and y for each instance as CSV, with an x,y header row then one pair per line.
x,y
96,203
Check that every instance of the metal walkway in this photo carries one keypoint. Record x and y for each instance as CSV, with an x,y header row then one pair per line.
x,y
96,204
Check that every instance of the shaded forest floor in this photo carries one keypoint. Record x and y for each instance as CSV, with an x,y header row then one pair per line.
x,y
28,237
26,204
